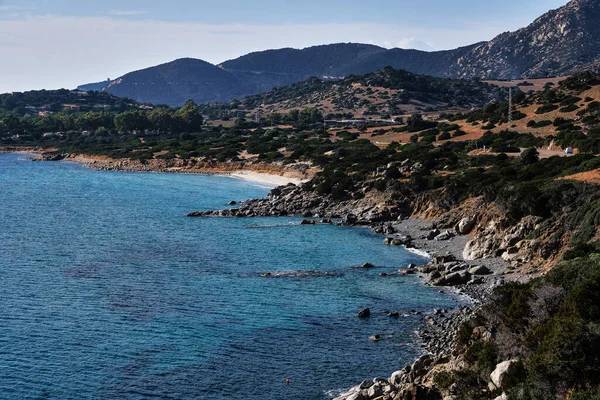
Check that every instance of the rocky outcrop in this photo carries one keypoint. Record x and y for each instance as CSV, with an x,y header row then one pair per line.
x,y
498,238
501,377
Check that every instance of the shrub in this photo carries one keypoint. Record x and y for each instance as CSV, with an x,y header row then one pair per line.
x,y
546,108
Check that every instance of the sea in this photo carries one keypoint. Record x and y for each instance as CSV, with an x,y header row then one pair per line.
x,y
108,291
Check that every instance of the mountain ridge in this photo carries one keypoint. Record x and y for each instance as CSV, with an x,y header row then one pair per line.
x,y
560,42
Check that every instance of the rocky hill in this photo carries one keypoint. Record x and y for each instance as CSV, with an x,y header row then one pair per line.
x,y
560,42
385,92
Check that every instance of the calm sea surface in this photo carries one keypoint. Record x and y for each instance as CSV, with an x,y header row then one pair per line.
x,y
107,291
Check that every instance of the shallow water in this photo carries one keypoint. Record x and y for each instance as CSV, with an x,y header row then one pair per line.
x,y
107,290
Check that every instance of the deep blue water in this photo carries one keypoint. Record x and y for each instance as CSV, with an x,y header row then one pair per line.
x,y
107,291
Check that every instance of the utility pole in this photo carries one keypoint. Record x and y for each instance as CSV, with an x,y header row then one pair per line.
x,y
510,107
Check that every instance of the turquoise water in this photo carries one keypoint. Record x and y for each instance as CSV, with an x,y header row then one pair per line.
x,y
107,291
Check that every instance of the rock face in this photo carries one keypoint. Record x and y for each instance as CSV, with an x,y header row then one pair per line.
x,y
499,239
558,43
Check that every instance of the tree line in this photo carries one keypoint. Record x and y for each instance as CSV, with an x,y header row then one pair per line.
x,y
186,119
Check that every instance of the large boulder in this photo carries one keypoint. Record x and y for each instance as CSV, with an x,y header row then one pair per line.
x,y
444,236
506,374
480,270
453,279
465,226
366,313
433,234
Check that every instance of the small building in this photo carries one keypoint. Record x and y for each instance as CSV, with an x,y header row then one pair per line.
x,y
569,150
72,107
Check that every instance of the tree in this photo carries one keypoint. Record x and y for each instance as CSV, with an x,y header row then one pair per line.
x,y
529,156
188,118
161,120
12,124
131,121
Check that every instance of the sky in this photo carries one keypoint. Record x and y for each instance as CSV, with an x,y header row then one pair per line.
x,y
49,44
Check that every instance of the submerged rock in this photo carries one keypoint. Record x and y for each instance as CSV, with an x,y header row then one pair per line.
x,y
366,313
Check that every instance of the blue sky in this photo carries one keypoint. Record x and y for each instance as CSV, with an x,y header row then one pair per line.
x,y
63,43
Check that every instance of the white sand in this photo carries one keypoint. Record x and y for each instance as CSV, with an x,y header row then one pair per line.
x,y
266,179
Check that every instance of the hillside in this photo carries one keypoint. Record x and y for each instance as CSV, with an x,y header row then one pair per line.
x,y
48,102
385,92
175,82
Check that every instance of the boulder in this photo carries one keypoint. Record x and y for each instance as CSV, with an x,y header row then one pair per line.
x,y
375,338
480,270
397,242
367,383
356,396
349,219
407,272
433,234
501,377
232,203
399,376
465,226
421,365
308,222
394,314
378,230
367,266
444,236
366,313
453,279
375,391
435,275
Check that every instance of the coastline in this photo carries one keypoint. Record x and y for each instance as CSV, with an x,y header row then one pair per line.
x,y
438,326
445,240
268,175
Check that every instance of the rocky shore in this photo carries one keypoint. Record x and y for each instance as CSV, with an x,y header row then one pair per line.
x,y
450,241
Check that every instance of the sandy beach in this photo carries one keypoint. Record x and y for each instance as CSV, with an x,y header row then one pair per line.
x,y
265,179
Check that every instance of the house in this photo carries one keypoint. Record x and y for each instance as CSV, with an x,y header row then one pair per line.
x,y
72,107
45,114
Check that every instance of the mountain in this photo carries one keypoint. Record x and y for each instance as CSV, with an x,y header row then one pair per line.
x,y
560,42
177,81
